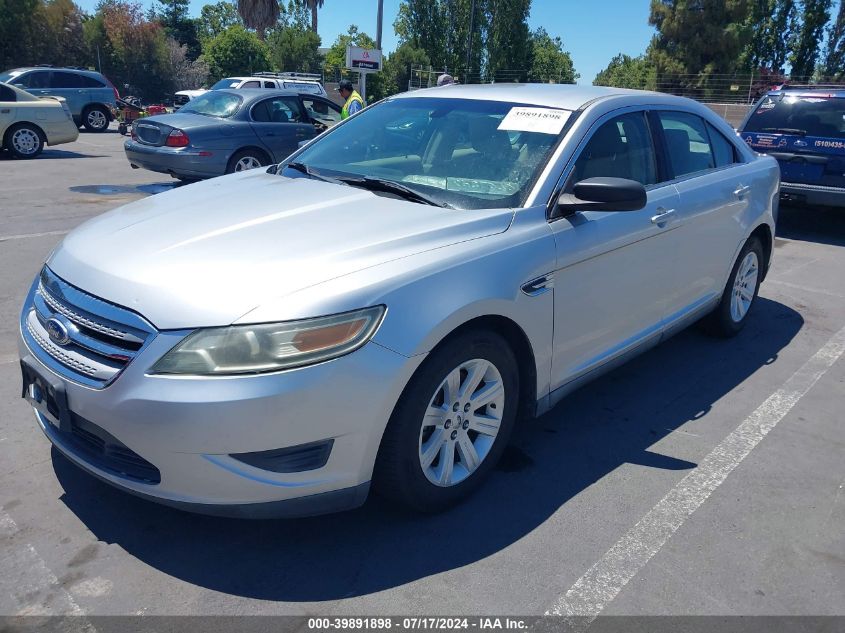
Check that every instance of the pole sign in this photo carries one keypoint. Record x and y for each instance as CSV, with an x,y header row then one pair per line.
x,y
363,59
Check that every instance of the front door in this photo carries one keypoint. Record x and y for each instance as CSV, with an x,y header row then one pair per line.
x,y
615,270
281,125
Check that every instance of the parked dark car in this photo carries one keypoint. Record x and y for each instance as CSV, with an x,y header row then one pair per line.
x,y
223,131
89,95
805,131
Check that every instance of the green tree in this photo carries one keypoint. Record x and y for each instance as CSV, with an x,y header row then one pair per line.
x,y
833,63
20,35
216,18
549,62
625,71
235,51
336,56
313,6
770,24
259,15
702,37
63,41
508,42
294,49
807,39
397,70
174,16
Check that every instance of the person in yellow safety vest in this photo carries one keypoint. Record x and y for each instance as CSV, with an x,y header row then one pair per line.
x,y
354,102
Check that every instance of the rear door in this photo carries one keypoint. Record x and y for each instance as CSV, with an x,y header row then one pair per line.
x,y
281,124
714,188
8,103
70,86
805,133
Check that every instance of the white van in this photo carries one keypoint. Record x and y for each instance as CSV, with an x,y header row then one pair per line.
x,y
300,82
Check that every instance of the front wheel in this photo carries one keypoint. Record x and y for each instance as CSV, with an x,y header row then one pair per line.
x,y
739,295
451,424
24,140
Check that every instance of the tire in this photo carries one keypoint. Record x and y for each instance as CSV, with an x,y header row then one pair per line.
x,y
414,437
740,293
95,119
24,140
244,157
122,129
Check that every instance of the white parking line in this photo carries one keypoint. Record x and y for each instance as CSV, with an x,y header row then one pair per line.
x,y
4,238
28,577
820,291
591,593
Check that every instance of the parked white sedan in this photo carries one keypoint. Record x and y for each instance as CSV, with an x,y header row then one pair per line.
x,y
28,122
389,301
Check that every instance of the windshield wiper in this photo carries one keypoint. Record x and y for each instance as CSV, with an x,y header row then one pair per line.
x,y
389,186
785,130
305,169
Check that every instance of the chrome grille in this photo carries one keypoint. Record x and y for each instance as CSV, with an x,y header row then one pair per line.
x,y
101,338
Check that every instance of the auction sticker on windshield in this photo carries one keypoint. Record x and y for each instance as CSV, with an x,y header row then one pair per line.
x,y
542,120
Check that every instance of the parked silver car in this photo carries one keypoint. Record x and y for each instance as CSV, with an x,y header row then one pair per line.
x,y
386,305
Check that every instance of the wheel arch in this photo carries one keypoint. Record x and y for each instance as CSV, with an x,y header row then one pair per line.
x,y
763,232
251,147
15,125
97,104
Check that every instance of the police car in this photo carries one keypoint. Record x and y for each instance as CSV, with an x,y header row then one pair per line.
x,y
804,129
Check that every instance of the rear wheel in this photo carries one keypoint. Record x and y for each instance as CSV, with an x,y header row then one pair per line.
x,y
24,140
739,295
246,159
95,119
451,424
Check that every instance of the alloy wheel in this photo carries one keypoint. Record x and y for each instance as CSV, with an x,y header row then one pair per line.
x,y
247,162
97,119
461,422
745,284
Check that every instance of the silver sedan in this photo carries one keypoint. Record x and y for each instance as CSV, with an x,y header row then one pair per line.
x,y
383,307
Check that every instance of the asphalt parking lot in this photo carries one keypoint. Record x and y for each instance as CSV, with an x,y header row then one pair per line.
x,y
595,508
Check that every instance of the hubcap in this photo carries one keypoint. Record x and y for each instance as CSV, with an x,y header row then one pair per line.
x,y
97,119
461,422
745,284
247,162
25,141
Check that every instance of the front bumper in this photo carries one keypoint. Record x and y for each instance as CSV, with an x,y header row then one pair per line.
x,y
812,194
176,161
188,428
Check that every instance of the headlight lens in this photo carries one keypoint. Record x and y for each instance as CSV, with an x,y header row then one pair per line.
x,y
255,349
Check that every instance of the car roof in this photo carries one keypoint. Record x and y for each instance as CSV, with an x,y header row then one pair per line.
x,y
565,96
62,68
820,92
255,93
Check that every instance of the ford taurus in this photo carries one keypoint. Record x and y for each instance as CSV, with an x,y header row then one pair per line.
x,y
385,305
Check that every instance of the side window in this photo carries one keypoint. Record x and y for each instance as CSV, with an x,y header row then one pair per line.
x,y
65,80
620,148
723,151
35,79
321,111
90,82
687,143
260,113
7,94
251,84
284,110
269,84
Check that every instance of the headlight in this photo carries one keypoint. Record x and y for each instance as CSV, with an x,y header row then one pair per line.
x,y
255,349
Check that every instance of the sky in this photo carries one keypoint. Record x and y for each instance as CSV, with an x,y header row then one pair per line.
x,y
593,31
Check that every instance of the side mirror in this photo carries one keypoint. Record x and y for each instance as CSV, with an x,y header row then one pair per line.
x,y
603,194
273,169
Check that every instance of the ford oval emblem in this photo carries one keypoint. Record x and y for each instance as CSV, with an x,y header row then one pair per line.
x,y
57,331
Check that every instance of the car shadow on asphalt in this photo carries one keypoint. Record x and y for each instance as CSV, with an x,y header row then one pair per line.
x,y
825,225
613,421
52,154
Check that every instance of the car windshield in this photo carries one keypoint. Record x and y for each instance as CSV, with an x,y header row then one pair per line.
x,y
806,115
218,104
460,153
229,82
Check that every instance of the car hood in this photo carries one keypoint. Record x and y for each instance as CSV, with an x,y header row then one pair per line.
x,y
206,254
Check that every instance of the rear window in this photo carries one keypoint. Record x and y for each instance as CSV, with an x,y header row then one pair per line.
x,y
806,115
229,82
218,104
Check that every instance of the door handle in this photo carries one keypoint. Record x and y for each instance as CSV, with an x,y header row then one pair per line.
x,y
5,111
741,190
663,216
